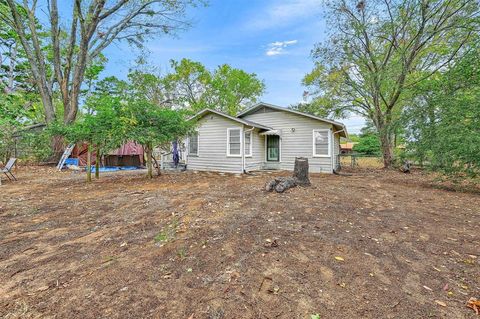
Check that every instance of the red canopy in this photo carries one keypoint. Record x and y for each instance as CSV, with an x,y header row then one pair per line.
x,y
127,149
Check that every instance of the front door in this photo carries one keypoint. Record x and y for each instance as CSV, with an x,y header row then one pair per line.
x,y
273,148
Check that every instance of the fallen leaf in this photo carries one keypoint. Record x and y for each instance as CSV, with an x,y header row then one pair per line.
x,y
441,303
339,258
474,304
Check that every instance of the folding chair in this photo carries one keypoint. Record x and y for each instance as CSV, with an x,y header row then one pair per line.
x,y
8,169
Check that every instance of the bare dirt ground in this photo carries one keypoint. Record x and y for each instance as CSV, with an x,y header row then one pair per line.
x,y
185,245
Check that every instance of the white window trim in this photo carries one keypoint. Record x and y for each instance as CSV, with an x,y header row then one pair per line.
x,y
329,143
198,145
250,154
228,142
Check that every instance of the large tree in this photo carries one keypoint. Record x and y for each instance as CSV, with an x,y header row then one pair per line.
x,y
192,86
79,37
379,49
443,121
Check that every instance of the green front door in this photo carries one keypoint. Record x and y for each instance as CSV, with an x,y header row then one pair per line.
x,y
273,148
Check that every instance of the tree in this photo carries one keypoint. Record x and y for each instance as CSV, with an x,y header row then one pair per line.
x,y
193,87
103,127
152,126
80,39
443,121
368,144
379,50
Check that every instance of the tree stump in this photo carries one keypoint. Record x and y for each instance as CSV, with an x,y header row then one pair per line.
x,y
300,177
300,171
405,167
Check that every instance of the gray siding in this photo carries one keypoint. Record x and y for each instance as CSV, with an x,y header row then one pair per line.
x,y
256,161
336,151
297,142
212,146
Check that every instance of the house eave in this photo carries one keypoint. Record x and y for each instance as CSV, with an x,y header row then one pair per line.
x,y
236,119
339,127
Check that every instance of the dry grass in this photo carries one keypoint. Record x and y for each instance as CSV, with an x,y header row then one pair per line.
x,y
359,246
361,162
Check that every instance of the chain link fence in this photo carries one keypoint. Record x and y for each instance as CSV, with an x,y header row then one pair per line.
x,y
360,161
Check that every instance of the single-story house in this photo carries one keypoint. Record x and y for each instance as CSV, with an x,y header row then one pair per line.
x,y
264,136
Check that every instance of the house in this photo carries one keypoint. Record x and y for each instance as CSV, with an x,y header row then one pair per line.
x,y
264,136
347,147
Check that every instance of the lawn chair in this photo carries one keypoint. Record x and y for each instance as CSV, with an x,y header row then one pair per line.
x,y
8,169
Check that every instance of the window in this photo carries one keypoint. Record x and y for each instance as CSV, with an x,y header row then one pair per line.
x,y
248,143
233,142
321,143
193,144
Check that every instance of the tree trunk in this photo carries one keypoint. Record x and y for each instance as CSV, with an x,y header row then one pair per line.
x,y
300,177
148,152
300,171
387,149
89,163
97,162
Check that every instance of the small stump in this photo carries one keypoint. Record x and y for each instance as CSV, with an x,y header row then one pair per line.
x,y
405,168
300,177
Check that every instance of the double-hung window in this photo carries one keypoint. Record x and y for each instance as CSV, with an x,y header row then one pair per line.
x,y
193,144
234,142
248,143
321,143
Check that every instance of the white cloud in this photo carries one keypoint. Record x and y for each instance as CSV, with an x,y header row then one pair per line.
x,y
281,14
278,47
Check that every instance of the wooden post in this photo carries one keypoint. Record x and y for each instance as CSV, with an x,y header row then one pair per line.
x,y
97,162
89,163
148,151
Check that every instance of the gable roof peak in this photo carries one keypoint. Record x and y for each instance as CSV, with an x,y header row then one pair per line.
x,y
258,105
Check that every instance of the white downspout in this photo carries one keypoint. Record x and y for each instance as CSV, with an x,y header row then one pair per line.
x,y
243,146
333,145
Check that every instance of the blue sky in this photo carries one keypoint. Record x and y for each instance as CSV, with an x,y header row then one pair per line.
x,y
270,38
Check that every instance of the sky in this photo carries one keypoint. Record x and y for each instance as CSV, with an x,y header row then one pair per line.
x,y
271,38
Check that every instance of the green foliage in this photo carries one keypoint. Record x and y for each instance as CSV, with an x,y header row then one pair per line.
x,y
117,112
368,144
379,52
314,107
152,126
34,146
443,122
192,86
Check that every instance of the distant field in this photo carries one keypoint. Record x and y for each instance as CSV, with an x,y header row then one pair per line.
x,y
361,161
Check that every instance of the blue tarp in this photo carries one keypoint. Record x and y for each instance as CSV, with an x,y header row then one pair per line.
x,y
114,168
71,161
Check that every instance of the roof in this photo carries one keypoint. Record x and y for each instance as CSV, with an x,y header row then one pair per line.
x,y
236,119
348,145
32,127
338,125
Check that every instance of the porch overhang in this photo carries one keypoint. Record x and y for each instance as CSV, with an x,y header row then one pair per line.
x,y
272,132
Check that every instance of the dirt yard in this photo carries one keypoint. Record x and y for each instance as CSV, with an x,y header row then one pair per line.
x,y
185,245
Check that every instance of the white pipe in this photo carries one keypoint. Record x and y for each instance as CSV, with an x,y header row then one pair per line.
x,y
243,146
